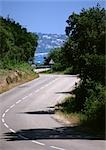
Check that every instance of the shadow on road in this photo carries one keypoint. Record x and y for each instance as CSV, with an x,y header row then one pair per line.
x,y
76,132
42,112
67,92
55,133
72,91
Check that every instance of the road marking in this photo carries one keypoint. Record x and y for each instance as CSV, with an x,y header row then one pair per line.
x,y
3,120
38,142
54,147
6,125
12,130
45,86
30,94
18,101
23,137
7,110
25,97
50,82
37,90
3,115
12,106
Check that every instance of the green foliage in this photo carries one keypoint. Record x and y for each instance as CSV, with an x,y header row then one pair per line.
x,y
88,30
93,67
85,42
86,36
85,90
88,103
57,56
69,70
57,67
84,53
17,45
94,106
69,105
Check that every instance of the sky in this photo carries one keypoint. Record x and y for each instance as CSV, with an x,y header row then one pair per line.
x,y
45,16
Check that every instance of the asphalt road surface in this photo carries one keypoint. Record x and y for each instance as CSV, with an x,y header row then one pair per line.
x,y
27,123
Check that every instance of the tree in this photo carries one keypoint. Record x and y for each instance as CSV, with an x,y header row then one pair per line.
x,y
84,52
86,33
16,44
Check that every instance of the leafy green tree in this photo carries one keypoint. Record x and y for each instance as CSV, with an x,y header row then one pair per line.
x,y
84,53
57,56
86,33
16,44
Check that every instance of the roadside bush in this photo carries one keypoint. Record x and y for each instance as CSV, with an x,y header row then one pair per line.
x,y
68,70
69,105
86,89
93,67
57,67
89,102
94,107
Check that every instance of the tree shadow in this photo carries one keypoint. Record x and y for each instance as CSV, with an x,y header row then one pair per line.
x,y
67,92
53,134
68,132
72,91
50,110
42,112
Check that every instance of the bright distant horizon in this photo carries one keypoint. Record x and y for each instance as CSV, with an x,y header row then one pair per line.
x,y
44,16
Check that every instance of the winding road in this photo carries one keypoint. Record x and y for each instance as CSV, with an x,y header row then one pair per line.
x,y
27,118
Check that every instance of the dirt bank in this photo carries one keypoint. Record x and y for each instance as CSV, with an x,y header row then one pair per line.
x,y
11,78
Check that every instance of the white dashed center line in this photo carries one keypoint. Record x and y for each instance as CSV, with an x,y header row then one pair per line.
x,y
3,120
38,142
12,130
6,125
54,147
6,110
3,115
12,106
18,101
30,94
25,97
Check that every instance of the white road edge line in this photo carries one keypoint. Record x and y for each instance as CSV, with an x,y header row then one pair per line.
x,y
54,147
38,143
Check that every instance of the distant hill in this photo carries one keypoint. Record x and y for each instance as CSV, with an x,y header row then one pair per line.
x,y
47,42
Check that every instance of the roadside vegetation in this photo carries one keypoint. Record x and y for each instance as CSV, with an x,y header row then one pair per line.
x,y
17,47
83,53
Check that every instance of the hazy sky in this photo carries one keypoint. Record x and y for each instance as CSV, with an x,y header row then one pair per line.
x,y
46,16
